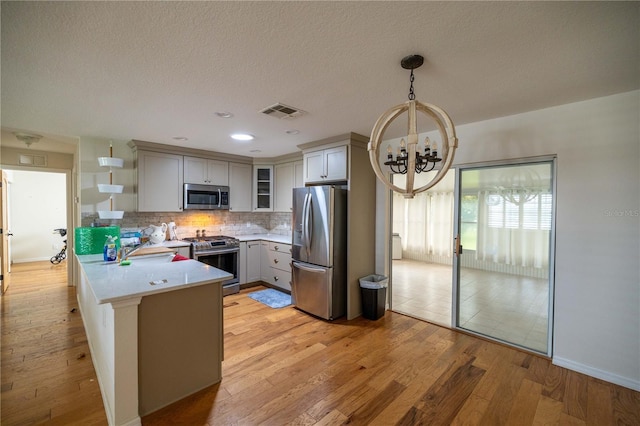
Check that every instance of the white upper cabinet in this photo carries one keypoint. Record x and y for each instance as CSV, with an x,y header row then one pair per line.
x,y
326,165
287,177
298,174
160,179
205,171
240,176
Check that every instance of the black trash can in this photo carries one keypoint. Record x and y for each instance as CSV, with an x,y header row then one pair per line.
x,y
374,296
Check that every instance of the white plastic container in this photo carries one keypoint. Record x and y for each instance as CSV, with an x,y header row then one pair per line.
x,y
110,214
112,189
396,251
110,162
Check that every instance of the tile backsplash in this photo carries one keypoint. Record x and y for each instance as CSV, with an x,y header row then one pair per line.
x,y
215,222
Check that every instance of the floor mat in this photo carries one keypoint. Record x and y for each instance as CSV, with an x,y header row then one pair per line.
x,y
272,298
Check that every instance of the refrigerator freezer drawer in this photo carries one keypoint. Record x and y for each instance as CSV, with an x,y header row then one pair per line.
x,y
311,289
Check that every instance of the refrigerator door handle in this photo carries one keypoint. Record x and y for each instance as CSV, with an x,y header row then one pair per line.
x,y
309,268
309,224
305,221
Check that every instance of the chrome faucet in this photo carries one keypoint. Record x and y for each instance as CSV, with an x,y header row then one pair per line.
x,y
126,251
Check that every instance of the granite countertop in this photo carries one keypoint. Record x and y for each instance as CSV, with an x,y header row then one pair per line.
x,y
112,282
276,238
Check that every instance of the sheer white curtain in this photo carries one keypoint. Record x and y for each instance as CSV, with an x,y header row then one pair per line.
x,y
512,232
440,223
424,223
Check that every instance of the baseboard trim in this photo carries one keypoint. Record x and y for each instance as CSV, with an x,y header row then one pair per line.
x,y
31,259
597,373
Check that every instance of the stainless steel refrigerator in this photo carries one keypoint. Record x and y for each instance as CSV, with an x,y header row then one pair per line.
x,y
319,251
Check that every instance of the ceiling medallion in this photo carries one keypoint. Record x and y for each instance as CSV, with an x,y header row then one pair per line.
x,y
27,138
409,159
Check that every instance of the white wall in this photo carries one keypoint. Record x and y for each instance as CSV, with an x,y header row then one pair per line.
x,y
597,277
37,206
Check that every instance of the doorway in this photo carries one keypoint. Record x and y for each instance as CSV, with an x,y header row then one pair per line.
x,y
4,235
504,262
421,266
37,206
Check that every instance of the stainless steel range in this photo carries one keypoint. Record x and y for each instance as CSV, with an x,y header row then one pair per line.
x,y
220,252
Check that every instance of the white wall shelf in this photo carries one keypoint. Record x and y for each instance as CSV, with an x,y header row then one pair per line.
x,y
110,188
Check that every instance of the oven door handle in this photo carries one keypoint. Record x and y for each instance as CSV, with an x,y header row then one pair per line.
x,y
209,253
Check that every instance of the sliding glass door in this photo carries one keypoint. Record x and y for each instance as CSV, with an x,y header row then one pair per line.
x,y
503,265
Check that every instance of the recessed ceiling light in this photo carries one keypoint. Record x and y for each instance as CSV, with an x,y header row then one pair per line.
x,y
292,132
224,114
242,137
180,138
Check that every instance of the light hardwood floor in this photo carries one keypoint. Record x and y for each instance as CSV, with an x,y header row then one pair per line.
x,y
284,367
47,374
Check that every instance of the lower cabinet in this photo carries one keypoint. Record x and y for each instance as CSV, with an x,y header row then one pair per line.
x,y
265,262
253,261
280,265
242,263
268,262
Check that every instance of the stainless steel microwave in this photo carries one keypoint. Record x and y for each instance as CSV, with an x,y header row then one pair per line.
x,y
205,197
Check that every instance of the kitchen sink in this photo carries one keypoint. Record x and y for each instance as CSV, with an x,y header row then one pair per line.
x,y
152,258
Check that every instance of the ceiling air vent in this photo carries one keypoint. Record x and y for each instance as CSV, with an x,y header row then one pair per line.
x,y
282,111
33,160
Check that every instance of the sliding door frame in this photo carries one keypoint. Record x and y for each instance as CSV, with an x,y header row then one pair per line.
x,y
455,302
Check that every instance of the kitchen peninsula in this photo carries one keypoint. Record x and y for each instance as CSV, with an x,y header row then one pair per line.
x,y
154,329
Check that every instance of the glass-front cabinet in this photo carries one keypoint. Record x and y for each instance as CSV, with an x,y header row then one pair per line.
x,y
263,188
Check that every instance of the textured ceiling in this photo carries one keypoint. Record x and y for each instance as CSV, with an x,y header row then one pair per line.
x,y
156,70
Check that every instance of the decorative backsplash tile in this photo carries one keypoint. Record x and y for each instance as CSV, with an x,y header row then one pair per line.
x,y
213,222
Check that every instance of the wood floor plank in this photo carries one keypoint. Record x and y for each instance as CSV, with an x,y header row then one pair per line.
x,y
599,404
548,412
555,382
375,405
444,399
414,390
471,412
525,404
626,406
335,417
575,395
501,402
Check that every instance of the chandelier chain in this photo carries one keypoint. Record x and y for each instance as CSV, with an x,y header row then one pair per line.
x,y
412,95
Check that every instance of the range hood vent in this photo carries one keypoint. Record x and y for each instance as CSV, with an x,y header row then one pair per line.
x,y
282,111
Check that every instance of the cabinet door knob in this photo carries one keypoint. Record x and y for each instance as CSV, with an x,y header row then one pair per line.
x,y
275,260
275,248
275,278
